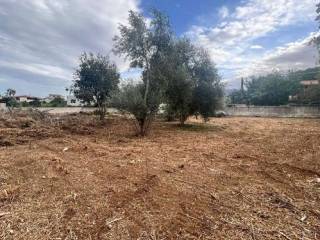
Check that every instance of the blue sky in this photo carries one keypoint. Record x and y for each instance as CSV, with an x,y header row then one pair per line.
x,y
184,14
40,40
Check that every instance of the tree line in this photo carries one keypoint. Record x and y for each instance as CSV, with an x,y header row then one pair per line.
x,y
275,88
175,72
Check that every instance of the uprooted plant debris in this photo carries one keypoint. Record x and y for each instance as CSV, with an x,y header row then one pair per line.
x,y
24,127
71,177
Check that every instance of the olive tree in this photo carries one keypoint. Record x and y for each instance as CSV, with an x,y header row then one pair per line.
x,y
10,99
208,91
94,81
180,84
194,86
144,45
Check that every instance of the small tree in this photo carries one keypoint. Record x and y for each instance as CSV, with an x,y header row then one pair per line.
x,y
130,99
10,99
57,102
95,80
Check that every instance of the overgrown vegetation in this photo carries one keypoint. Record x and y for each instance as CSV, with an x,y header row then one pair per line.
x,y
275,88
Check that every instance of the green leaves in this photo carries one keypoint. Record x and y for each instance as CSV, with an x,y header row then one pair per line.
x,y
194,85
174,71
145,45
275,88
95,79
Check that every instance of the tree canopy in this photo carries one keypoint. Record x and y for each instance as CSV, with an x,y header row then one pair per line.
x,y
174,71
145,45
95,79
193,86
275,88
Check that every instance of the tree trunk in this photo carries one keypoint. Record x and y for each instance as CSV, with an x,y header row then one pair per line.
x,y
141,126
101,111
147,84
182,119
102,114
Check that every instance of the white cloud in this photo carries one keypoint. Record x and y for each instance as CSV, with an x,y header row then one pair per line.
x,y
256,47
41,40
257,18
231,42
291,56
38,69
223,12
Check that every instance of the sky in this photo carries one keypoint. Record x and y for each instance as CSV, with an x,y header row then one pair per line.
x,y
41,40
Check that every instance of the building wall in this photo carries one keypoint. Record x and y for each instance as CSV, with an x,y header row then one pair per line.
x,y
73,101
3,106
276,111
23,99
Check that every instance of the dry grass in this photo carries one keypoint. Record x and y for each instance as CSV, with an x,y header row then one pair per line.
x,y
232,178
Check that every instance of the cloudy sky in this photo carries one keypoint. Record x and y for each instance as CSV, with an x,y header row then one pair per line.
x,y
40,40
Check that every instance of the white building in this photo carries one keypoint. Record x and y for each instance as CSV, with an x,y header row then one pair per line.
x,y
27,99
72,101
52,97
2,106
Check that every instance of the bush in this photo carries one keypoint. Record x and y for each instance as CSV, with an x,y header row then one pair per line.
x,y
129,99
56,102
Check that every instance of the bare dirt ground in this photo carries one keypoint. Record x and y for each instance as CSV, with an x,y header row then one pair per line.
x,y
232,178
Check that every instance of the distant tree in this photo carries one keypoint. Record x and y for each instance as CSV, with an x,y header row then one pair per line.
x,y
311,96
10,92
57,102
145,45
24,104
237,96
95,80
10,99
275,88
35,103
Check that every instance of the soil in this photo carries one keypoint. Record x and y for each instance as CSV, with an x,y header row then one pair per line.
x,y
230,178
